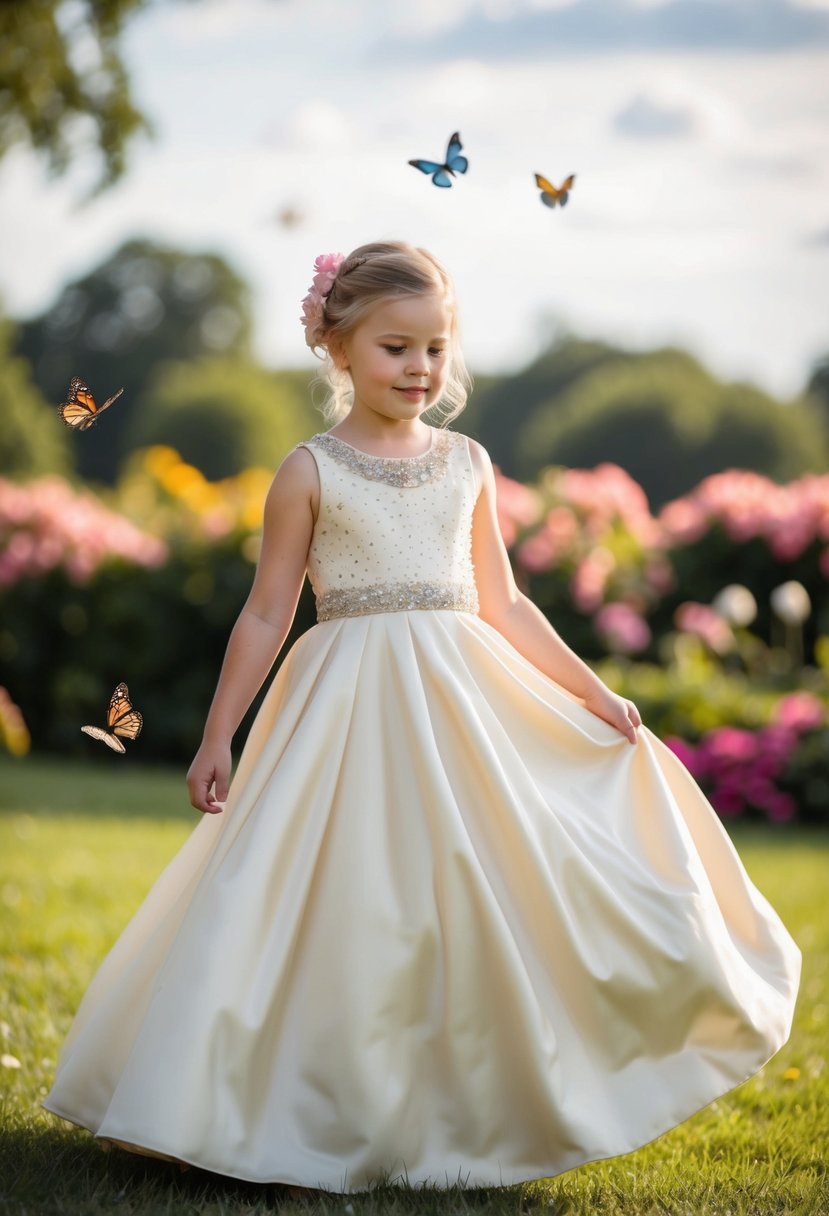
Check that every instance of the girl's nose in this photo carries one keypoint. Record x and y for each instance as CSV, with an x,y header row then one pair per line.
x,y
418,364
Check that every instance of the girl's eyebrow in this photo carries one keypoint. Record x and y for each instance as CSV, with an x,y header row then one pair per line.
x,y
440,339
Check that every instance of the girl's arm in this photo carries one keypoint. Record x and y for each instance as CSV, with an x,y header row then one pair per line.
x,y
507,609
262,625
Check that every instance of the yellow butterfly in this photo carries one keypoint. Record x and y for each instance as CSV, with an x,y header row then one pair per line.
x,y
550,194
122,719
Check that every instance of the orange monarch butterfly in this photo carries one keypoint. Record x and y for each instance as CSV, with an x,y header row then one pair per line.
x,y
79,410
550,194
122,719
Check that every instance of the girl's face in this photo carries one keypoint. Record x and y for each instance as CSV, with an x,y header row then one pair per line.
x,y
398,358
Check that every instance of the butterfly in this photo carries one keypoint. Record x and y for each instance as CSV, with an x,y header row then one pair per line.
x,y
122,720
549,194
79,410
441,174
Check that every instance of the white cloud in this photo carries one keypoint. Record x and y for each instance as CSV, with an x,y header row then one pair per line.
x,y
699,239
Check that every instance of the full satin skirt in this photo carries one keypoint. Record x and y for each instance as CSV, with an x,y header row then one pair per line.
x,y
451,928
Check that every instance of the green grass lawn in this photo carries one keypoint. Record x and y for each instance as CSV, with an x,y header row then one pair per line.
x,y
80,845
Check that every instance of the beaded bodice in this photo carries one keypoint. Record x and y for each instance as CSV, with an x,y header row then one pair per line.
x,y
393,533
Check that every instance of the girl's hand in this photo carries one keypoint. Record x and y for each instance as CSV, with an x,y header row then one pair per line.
x,y
614,709
210,767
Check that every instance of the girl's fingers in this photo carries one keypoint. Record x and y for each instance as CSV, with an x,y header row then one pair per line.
x,y
200,796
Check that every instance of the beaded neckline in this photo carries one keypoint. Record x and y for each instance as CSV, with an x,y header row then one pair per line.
x,y
400,471
372,456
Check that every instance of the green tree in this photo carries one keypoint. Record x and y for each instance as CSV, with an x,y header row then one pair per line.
x,y
32,440
222,415
501,407
818,386
144,305
63,82
669,423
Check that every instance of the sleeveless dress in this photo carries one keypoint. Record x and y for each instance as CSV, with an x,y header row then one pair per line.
x,y
451,927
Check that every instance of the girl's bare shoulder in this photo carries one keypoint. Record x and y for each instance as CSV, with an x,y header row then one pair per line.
x,y
298,467
295,481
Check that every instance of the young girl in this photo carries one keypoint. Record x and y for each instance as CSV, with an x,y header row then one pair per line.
x,y
460,918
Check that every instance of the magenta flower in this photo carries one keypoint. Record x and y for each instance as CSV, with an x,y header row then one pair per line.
x,y
684,752
729,744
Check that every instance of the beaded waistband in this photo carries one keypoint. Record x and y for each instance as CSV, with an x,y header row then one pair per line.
x,y
396,597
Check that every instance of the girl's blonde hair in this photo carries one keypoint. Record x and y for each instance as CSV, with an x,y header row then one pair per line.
x,y
383,270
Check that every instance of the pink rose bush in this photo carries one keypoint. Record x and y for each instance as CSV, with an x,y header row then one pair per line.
x,y
47,524
747,505
517,506
741,769
595,528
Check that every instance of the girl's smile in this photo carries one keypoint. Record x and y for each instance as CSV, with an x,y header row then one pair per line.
x,y
399,356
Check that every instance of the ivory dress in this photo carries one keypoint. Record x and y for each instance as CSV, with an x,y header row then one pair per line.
x,y
451,927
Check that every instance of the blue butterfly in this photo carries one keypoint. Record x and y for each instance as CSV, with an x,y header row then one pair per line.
x,y
454,164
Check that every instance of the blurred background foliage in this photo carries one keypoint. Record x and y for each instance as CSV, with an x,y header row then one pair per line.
x,y
673,527
63,84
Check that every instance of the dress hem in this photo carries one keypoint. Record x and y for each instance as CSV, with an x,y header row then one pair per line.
x,y
426,1182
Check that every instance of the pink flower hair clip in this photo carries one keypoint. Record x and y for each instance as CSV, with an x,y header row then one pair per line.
x,y
326,267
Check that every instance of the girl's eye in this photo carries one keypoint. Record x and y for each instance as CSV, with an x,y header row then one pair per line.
x,y
396,350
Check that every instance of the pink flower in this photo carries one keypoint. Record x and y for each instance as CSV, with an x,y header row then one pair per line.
x,y
777,740
730,744
706,623
800,711
515,504
621,628
326,266
684,752
780,806
590,578
727,801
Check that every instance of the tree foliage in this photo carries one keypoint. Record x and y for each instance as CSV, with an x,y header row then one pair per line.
x,y
222,414
818,385
144,305
31,442
658,414
63,84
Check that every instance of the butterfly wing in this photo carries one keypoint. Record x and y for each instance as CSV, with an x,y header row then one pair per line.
x,y
79,408
122,719
455,162
439,175
109,401
552,195
427,166
565,187
97,732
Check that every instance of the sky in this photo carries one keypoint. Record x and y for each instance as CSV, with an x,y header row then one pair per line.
x,y
698,131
